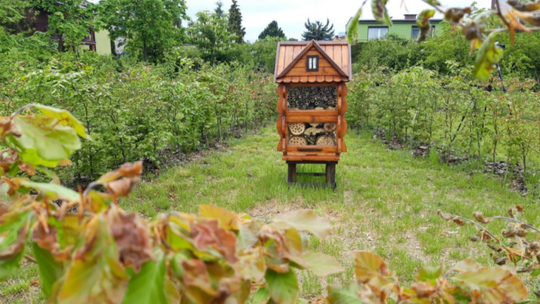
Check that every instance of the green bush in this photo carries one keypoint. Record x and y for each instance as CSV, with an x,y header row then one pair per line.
x,y
134,111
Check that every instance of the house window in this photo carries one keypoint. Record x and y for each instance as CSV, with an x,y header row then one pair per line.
x,y
376,32
415,32
312,63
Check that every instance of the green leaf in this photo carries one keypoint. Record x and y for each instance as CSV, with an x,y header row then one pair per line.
x,y
380,12
430,274
306,220
343,295
369,265
535,273
148,285
14,233
42,140
487,58
352,27
10,266
95,275
49,269
64,118
283,287
53,191
322,264
261,296
227,219
423,23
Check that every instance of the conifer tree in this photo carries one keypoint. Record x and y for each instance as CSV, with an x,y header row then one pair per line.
x,y
235,22
272,30
318,31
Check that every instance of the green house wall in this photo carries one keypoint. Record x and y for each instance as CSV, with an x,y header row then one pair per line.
x,y
103,43
401,29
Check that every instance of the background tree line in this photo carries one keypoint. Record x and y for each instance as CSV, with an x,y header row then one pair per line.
x,y
151,30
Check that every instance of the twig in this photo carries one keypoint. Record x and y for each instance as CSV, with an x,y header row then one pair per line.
x,y
499,13
453,216
20,110
30,258
515,221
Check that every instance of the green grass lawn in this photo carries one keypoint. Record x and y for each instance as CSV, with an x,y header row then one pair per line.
x,y
385,202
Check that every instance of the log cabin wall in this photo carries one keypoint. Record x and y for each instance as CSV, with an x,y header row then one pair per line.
x,y
312,103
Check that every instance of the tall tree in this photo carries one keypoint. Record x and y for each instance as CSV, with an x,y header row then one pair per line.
x,y
69,21
235,22
272,30
219,9
209,33
12,15
150,27
318,31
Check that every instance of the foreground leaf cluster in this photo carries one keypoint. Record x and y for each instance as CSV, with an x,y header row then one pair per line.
x,y
518,244
519,16
466,282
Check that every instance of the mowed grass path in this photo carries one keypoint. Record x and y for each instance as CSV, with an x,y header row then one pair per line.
x,y
386,201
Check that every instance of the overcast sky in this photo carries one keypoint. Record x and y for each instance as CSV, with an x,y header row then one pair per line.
x,y
291,14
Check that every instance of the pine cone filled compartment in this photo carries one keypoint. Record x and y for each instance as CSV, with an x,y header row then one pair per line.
x,y
312,98
312,134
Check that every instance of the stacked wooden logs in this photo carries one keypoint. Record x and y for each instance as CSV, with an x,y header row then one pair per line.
x,y
312,134
310,98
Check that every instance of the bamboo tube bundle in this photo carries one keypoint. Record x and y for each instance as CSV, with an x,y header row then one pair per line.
x,y
309,98
297,128
297,141
330,127
325,140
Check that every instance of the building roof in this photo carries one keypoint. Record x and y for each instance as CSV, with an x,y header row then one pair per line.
x,y
337,53
411,21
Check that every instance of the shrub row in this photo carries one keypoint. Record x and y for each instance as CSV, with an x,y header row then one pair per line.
x,y
133,111
454,115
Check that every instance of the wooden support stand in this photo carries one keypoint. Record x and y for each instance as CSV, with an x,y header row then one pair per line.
x,y
330,174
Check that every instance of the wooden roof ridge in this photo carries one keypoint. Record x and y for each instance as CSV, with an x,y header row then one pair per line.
x,y
314,44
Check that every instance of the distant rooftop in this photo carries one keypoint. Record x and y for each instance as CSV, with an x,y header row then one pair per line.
x,y
408,18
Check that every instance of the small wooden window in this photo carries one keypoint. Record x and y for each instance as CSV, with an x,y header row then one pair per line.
x,y
312,63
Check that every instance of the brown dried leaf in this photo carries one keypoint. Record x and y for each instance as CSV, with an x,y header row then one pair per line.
x,y
423,289
495,285
48,241
208,234
131,170
459,221
27,168
455,15
480,218
131,236
524,7
530,18
369,266
196,275
121,187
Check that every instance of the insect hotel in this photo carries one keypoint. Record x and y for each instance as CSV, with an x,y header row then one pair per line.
x,y
312,87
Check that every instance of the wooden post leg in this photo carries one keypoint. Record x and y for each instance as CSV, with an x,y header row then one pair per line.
x,y
331,174
291,173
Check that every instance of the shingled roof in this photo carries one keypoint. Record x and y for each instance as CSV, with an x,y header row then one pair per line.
x,y
336,53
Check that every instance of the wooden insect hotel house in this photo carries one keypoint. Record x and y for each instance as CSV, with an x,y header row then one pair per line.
x,y
312,77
